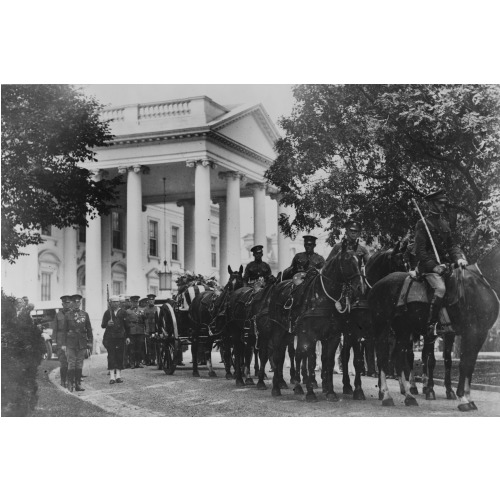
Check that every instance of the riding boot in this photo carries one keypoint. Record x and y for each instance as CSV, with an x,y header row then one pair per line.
x,y
78,380
433,320
71,380
64,375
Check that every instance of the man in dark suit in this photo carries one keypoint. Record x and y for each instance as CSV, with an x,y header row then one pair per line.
x,y
135,318
151,327
58,333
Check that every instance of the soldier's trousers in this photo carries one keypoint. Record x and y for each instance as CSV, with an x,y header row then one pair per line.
x,y
137,347
63,360
75,358
115,348
151,349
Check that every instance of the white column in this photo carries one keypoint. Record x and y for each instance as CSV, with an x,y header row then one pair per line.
x,y
202,264
135,271
93,273
189,239
69,260
106,255
259,215
222,239
284,258
233,241
30,284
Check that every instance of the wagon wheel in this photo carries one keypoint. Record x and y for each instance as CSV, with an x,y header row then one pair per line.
x,y
169,357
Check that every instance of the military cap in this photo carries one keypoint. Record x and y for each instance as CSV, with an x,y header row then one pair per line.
x,y
143,302
25,297
355,226
309,237
151,296
65,298
256,248
114,298
135,297
439,195
77,296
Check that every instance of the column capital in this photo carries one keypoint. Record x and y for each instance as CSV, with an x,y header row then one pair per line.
x,y
204,162
99,173
137,169
256,186
219,199
276,196
231,174
183,203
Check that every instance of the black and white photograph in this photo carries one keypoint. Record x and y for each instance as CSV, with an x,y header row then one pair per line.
x,y
310,269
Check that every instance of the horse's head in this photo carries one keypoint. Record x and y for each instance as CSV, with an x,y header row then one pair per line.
x,y
235,279
398,258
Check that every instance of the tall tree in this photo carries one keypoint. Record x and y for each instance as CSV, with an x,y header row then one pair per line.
x,y
47,132
365,151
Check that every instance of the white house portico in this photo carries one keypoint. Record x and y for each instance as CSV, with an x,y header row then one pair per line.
x,y
185,165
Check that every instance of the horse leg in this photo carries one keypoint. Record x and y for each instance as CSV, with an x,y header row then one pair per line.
x,y
208,355
256,362
330,350
469,349
345,352
425,356
226,353
238,351
402,369
294,373
194,354
449,340
359,365
309,359
279,347
431,364
249,352
382,349
263,357
411,365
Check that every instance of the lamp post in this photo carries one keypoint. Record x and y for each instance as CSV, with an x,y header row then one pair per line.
x,y
165,276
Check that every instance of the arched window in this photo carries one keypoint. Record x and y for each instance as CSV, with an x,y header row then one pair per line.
x,y
118,278
48,274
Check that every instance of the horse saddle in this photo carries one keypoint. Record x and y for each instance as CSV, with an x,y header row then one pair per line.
x,y
298,278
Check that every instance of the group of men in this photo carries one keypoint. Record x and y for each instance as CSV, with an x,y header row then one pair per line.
x,y
73,334
130,327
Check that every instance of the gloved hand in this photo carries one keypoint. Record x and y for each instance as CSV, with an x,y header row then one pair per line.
x,y
439,269
127,341
89,348
63,348
461,262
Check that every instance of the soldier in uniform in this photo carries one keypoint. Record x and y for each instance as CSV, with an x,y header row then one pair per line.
x,y
305,260
352,232
76,339
58,333
135,319
151,327
258,268
115,337
448,252
127,351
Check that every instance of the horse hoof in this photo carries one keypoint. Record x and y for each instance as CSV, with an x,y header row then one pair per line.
x,y
314,384
229,376
414,391
388,402
410,401
473,405
196,374
380,395
358,395
265,377
276,392
465,407
249,381
298,389
311,397
239,382
332,397
261,386
347,390
430,395
212,374
451,395
283,385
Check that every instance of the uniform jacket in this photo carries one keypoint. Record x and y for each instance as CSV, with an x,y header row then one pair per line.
x,y
361,251
59,327
78,331
120,329
303,262
151,319
441,234
135,319
255,270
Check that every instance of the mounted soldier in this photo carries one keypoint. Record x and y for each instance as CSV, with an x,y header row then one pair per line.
x,y
434,249
352,232
304,261
258,268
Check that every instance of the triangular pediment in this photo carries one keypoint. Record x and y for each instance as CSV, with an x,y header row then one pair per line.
x,y
248,125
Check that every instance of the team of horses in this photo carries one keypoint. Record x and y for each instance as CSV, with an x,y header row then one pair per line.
x,y
344,300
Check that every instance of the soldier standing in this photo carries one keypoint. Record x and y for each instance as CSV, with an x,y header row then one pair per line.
x,y
76,339
58,333
115,337
447,251
258,268
151,327
135,320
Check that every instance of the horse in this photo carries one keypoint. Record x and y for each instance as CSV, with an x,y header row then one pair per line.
x,y
358,323
472,307
207,316
245,320
312,311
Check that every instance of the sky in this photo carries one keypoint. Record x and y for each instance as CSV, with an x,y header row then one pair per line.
x,y
277,99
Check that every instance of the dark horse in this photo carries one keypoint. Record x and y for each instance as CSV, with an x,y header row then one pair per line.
x,y
358,323
207,313
246,329
312,311
472,306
